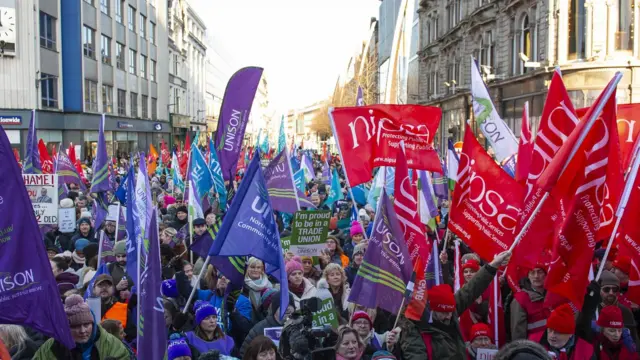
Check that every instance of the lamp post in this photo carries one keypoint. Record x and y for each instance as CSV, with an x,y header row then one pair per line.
x,y
170,126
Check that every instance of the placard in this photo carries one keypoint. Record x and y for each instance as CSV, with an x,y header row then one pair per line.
x,y
326,315
43,193
309,232
274,334
67,220
486,354
112,214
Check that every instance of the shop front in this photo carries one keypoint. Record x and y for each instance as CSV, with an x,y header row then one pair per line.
x,y
180,126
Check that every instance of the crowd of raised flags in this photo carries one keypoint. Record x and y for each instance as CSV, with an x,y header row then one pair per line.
x,y
413,227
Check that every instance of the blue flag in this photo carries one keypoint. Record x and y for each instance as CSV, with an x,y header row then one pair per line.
x,y
282,140
360,194
121,193
100,180
142,208
103,269
336,191
32,159
151,326
264,146
298,179
200,174
250,218
232,268
132,246
218,178
29,294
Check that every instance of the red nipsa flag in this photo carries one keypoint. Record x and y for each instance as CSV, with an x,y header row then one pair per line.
x,y
369,136
45,160
525,148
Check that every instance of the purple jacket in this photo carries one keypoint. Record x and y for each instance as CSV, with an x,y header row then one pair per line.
x,y
224,345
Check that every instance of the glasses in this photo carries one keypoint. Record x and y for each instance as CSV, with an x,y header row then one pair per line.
x,y
610,289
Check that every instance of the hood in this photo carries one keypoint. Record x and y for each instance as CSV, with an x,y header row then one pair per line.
x,y
308,287
67,277
533,295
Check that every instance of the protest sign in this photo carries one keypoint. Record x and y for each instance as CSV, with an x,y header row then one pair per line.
x,y
327,314
67,220
486,354
286,244
309,232
113,214
274,333
43,193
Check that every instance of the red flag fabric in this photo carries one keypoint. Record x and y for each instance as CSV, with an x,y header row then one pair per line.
x,y
54,153
369,136
556,124
633,291
241,162
17,156
496,313
585,180
166,155
628,236
72,153
406,207
419,297
525,148
486,201
45,158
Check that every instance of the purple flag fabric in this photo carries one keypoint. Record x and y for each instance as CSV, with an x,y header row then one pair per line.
x,y
232,268
326,173
359,97
151,327
425,186
250,218
67,173
386,269
32,159
132,244
234,117
441,184
282,190
100,180
29,294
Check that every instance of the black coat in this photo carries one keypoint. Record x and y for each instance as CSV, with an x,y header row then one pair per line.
x,y
257,330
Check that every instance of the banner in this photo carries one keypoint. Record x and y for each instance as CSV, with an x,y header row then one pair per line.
x,y
29,294
327,315
100,180
67,220
486,201
43,193
32,157
281,185
370,136
309,232
45,159
234,117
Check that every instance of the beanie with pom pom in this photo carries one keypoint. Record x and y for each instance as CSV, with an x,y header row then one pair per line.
x,y
78,311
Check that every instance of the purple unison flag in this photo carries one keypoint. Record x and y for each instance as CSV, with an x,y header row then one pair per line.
x,y
250,218
100,180
441,183
386,269
282,190
234,117
67,173
326,173
424,184
132,244
359,97
32,160
151,327
232,268
29,294
106,253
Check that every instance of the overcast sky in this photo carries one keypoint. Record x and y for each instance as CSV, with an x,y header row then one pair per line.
x,y
302,44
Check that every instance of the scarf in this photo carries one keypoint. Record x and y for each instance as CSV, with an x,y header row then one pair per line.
x,y
256,287
337,297
297,290
77,259
612,349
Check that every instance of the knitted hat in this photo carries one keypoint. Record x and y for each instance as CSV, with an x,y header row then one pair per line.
x,y
471,264
170,232
383,355
562,320
120,248
275,302
441,298
359,249
623,263
78,312
608,278
479,329
611,317
361,315
169,289
90,251
87,216
333,223
84,220
199,222
182,209
66,204
204,311
356,228
265,298
306,258
292,266
297,258
81,244
178,348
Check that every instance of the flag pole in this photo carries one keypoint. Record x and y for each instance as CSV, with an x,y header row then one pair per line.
x,y
346,176
607,92
495,310
194,288
622,205
117,223
100,250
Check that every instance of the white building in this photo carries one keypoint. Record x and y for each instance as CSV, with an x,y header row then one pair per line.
x,y
218,72
196,65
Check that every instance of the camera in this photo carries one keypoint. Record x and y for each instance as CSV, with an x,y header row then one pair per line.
x,y
301,341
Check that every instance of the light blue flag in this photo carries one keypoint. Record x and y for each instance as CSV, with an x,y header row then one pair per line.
x,y
175,173
298,178
282,139
200,174
218,179
376,187
264,146
335,193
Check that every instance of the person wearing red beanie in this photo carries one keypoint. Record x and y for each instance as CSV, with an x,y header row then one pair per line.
x,y
480,337
441,338
608,342
469,269
559,337
528,315
479,309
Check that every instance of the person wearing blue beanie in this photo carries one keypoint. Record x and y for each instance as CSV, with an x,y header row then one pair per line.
x,y
169,289
207,335
178,349
78,258
81,244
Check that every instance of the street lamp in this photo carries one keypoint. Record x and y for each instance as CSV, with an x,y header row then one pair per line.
x,y
170,126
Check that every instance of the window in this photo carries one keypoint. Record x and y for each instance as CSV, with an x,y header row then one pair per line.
x,y
47,31
134,104
176,99
122,102
175,65
89,42
107,99
119,56
145,106
143,66
132,62
152,32
90,2
143,25
132,18
104,6
152,70
154,109
487,48
49,90
526,46
90,96
624,30
106,49
577,29
119,10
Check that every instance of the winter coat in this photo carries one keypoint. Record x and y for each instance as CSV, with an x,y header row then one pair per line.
x,y
257,330
446,340
524,324
117,273
308,293
351,271
314,276
60,240
343,307
66,281
91,237
104,345
576,349
26,352
629,322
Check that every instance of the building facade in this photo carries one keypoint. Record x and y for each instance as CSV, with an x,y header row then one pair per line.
x,y
218,72
76,59
196,65
517,44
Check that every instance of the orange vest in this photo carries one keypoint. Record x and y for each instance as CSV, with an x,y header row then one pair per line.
x,y
117,312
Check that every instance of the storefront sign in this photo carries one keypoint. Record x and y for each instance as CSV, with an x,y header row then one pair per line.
x,y
157,127
10,120
124,125
43,193
180,121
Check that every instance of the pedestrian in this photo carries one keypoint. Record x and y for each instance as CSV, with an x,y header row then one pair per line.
x,y
356,235
178,349
299,287
559,337
84,230
356,260
362,323
111,308
207,335
479,338
65,279
78,254
608,343
18,343
609,295
349,345
92,341
272,320
333,254
262,348
334,279
528,315
255,282
310,272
